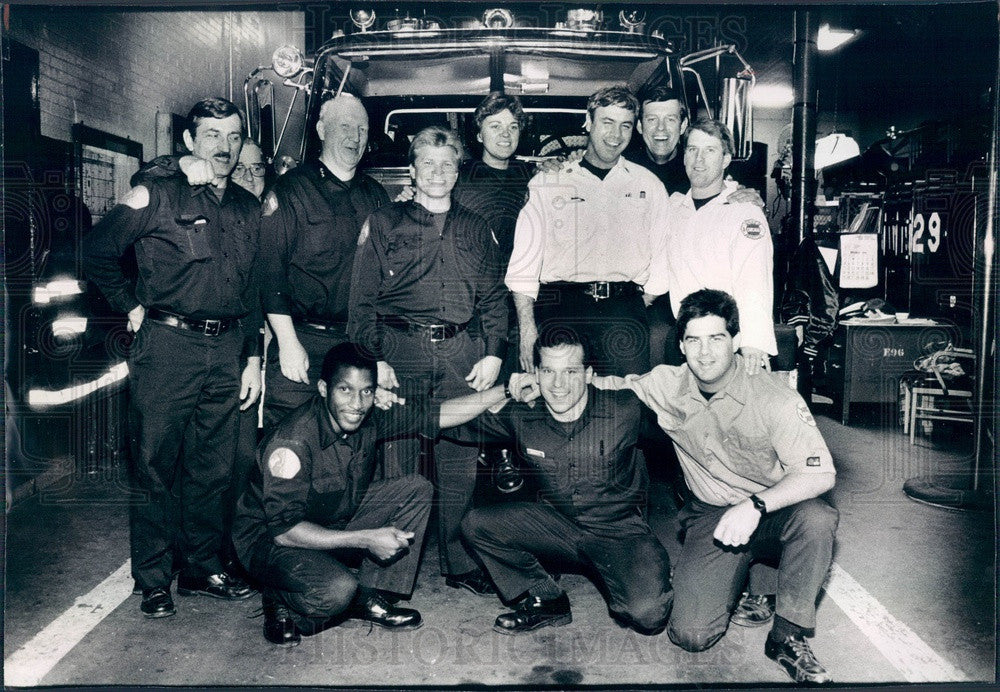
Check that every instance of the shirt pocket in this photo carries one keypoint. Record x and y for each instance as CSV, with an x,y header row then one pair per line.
x,y
191,235
328,481
751,456
402,251
326,234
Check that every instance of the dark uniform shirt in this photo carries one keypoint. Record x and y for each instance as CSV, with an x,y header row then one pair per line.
x,y
496,195
196,254
671,174
310,238
306,471
586,469
409,268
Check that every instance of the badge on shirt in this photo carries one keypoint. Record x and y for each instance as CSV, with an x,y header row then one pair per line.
x,y
535,452
812,461
803,411
270,204
752,229
283,463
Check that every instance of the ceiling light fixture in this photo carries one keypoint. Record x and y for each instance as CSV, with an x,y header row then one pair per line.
x,y
831,39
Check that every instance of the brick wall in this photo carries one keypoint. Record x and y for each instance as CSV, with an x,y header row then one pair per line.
x,y
113,70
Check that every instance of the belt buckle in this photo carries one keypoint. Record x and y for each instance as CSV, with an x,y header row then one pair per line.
x,y
437,332
599,290
212,327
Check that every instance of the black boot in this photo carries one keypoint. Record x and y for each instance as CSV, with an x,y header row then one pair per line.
x,y
505,475
279,628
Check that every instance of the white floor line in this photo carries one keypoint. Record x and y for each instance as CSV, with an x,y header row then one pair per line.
x,y
28,665
897,642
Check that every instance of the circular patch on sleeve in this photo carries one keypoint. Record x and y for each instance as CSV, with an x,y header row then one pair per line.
x,y
283,463
753,229
803,411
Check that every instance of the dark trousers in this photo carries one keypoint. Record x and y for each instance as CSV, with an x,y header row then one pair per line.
x,y
317,584
616,328
708,577
634,567
437,370
663,343
281,395
180,379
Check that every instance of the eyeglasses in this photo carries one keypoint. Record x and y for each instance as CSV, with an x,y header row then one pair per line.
x,y
257,170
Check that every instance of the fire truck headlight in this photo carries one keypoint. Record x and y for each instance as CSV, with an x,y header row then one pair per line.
x,y
287,61
363,19
498,18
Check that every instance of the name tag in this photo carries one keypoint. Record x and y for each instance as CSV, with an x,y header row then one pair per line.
x,y
535,452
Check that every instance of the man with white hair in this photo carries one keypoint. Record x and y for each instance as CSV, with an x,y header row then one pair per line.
x,y
312,219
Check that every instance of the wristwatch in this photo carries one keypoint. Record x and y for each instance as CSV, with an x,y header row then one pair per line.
x,y
506,392
759,505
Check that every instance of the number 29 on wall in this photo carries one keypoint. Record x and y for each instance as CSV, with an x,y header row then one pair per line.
x,y
925,233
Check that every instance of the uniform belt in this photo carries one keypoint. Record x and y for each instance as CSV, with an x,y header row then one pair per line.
x,y
206,327
598,290
330,325
435,332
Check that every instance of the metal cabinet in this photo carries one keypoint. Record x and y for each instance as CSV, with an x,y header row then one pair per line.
x,y
866,360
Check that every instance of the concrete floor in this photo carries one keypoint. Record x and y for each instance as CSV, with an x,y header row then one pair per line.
x,y
906,576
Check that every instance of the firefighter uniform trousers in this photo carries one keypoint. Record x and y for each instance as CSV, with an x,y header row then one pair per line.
x,y
633,565
437,369
179,378
317,584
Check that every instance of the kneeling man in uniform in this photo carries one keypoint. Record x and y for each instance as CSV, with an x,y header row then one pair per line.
x,y
756,466
580,445
312,509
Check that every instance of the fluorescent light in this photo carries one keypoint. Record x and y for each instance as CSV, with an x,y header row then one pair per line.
x,y
772,96
834,149
832,39
41,398
57,288
68,326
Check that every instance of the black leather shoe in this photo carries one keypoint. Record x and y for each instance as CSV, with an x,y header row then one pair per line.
x,y
219,585
506,476
475,581
794,654
533,613
279,628
753,611
157,603
371,606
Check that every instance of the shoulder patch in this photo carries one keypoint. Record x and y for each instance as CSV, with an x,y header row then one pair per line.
x,y
752,229
137,197
284,463
270,204
366,230
812,461
803,412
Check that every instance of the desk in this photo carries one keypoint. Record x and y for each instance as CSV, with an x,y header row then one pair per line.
x,y
867,360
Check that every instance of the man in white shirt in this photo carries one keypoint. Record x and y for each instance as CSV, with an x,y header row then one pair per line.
x,y
718,244
587,244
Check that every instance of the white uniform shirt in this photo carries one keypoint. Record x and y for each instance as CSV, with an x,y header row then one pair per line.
x,y
577,227
726,247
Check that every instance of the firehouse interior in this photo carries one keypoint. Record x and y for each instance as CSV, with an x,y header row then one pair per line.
x,y
869,131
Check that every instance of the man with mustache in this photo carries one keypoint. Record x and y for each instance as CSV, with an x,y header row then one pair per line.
x,y
194,311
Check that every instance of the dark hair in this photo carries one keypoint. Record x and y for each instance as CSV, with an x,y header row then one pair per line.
x,y
215,107
708,302
436,136
617,95
713,128
497,102
557,334
660,94
346,355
